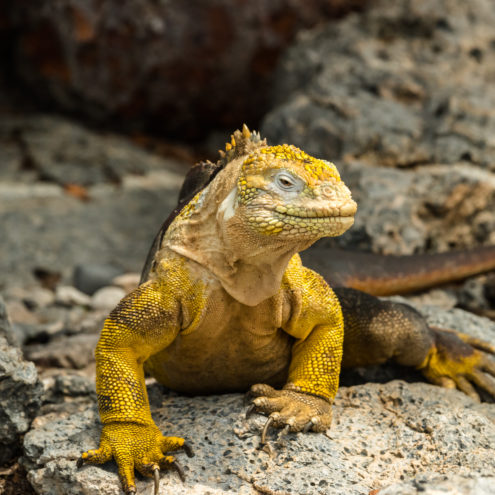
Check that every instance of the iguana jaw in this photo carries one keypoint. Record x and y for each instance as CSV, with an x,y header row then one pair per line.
x,y
328,222
304,218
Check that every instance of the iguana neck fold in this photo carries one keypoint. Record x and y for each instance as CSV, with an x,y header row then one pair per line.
x,y
265,204
212,231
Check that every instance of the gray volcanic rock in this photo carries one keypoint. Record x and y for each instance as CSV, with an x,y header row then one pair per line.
x,y
5,328
74,351
381,434
20,395
406,435
435,208
401,84
122,195
454,485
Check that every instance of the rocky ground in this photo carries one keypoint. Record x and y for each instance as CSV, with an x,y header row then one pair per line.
x,y
90,241
79,209
412,436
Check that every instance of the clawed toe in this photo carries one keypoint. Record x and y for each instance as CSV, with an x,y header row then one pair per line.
x,y
290,410
268,423
164,463
178,468
188,450
156,477
460,361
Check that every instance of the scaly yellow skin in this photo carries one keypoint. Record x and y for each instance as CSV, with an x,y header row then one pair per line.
x,y
190,328
150,319
229,306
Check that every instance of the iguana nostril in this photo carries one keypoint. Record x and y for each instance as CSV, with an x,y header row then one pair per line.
x,y
348,209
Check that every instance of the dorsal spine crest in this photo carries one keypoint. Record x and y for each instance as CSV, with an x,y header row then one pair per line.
x,y
242,142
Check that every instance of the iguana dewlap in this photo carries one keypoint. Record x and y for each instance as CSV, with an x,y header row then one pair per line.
x,y
226,304
226,345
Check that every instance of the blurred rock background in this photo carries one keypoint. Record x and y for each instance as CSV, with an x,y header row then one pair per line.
x,y
103,107
168,67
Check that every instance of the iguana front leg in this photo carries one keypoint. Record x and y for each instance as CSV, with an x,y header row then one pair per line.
x,y
377,331
305,401
145,321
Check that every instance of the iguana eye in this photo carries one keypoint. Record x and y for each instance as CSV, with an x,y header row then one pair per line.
x,y
286,181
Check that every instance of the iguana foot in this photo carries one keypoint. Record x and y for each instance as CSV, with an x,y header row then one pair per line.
x,y
136,446
458,361
289,409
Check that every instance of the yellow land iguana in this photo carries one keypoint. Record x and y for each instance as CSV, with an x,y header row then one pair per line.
x,y
226,305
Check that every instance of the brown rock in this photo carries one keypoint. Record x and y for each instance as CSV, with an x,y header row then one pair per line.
x,y
177,66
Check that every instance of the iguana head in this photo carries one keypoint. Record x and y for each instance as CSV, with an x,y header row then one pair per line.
x,y
282,191
256,208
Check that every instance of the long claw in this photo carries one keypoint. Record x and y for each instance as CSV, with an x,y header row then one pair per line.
x,y
188,450
248,397
156,476
464,386
179,470
483,382
285,430
268,423
489,365
250,410
307,426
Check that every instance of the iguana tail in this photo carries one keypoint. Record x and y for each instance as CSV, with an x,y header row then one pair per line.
x,y
382,275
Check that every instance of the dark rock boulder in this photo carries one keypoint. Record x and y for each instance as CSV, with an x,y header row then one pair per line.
x,y
20,395
170,66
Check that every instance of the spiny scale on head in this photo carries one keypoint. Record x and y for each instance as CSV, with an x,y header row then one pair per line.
x,y
202,173
241,143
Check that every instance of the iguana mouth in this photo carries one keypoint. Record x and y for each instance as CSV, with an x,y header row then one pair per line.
x,y
327,223
344,211
299,219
